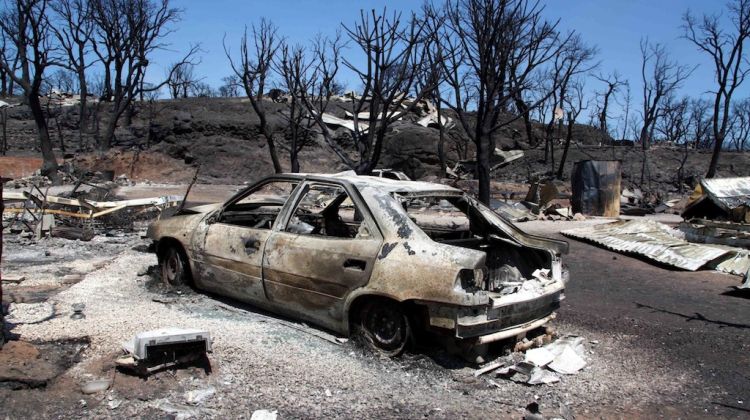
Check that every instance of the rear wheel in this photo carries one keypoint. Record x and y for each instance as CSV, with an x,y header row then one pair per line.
x,y
174,268
384,327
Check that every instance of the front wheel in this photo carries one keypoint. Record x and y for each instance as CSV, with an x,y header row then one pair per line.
x,y
174,268
384,327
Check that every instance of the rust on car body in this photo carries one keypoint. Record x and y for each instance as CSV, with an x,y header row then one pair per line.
x,y
316,246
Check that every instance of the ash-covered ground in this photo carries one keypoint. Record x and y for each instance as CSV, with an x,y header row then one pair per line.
x,y
648,354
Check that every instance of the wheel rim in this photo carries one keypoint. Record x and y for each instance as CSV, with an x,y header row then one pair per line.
x,y
386,326
172,266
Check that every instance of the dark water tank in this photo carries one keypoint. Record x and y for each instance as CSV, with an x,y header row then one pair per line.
x,y
596,187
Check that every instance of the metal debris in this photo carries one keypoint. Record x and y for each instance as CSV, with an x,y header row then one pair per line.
x,y
36,211
334,121
721,199
716,232
650,239
515,212
500,158
390,174
78,311
596,188
661,243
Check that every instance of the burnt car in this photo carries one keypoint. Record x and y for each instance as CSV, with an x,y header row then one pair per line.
x,y
379,257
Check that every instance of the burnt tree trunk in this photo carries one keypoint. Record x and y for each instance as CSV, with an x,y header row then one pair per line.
x,y
83,117
525,112
718,142
568,138
269,141
49,162
483,144
441,141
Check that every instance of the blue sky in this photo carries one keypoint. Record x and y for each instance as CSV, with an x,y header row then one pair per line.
x,y
614,26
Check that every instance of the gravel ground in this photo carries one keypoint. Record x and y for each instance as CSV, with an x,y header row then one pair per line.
x,y
259,362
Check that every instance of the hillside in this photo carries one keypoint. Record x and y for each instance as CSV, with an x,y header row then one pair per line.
x,y
168,139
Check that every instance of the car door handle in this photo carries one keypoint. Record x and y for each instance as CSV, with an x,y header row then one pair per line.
x,y
252,244
353,264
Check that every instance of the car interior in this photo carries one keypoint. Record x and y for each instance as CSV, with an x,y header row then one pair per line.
x,y
259,209
326,210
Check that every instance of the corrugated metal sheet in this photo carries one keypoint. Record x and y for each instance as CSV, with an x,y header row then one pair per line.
x,y
661,243
728,193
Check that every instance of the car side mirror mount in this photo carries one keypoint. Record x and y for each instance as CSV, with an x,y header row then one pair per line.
x,y
212,218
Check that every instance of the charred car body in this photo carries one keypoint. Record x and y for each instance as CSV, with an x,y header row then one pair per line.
x,y
378,256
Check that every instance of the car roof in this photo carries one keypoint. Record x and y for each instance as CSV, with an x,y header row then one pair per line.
x,y
382,184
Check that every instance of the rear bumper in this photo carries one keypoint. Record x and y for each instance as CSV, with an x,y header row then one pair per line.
x,y
494,322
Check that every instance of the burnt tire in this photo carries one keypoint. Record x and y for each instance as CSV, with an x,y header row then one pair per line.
x,y
384,327
174,266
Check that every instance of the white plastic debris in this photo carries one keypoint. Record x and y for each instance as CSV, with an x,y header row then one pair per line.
x,y
539,357
197,396
568,362
93,387
165,336
565,355
568,352
177,411
535,375
542,376
264,415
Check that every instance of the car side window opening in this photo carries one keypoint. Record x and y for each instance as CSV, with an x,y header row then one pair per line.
x,y
443,218
259,209
327,210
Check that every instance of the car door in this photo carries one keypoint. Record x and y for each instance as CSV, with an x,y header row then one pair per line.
x,y
232,258
326,249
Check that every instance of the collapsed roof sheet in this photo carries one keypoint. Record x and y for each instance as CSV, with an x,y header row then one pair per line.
x,y
720,199
333,120
728,193
659,242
